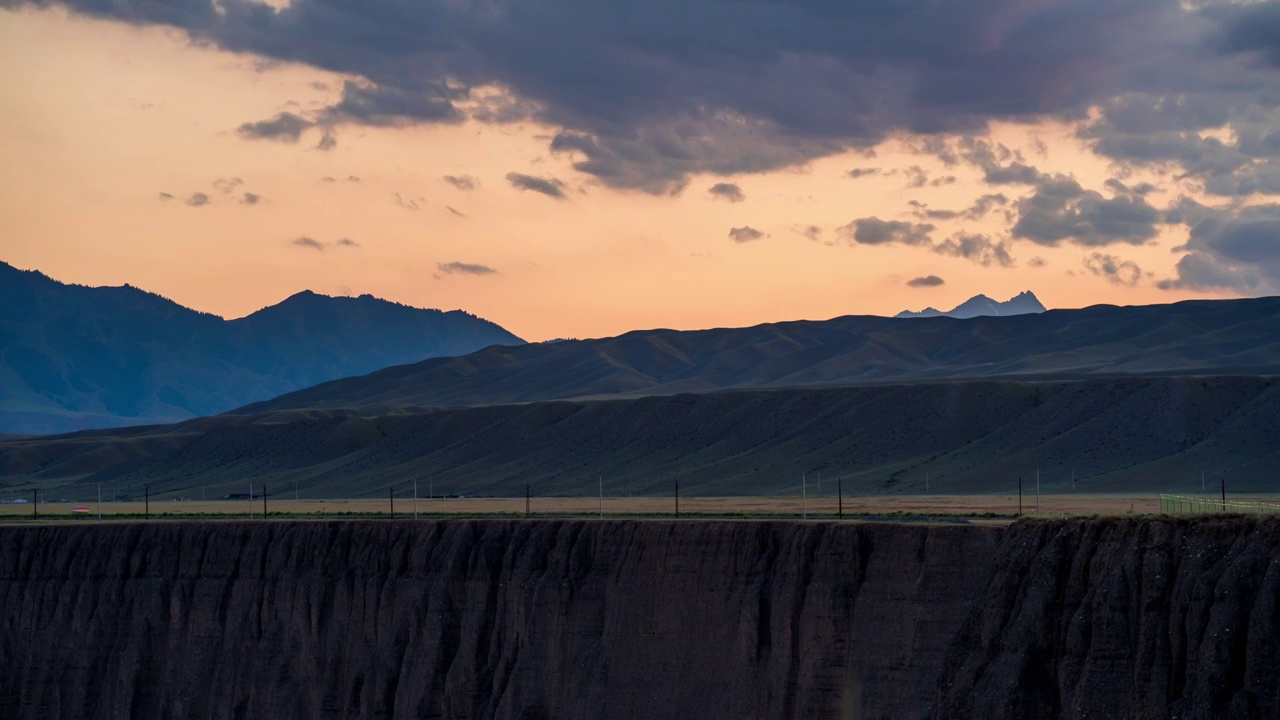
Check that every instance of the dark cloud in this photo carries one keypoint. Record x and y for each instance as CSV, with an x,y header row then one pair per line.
x,y
944,180
746,233
462,268
347,242
547,186
981,207
251,199
462,182
198,200
1114,269
164,196
863,172
1118,187
455,211
926,281
1060,209
353,178
327,179
285,127
1233,249
666,89
727,191
308,243
874,231
976,247
916,176
1037,262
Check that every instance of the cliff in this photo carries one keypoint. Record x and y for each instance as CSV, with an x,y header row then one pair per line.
x,y
580,619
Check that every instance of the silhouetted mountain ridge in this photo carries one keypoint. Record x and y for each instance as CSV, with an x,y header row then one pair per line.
x,y
74,357
980,305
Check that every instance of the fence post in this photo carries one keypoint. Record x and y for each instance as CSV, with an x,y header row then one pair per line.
x,y
391,496
1224,493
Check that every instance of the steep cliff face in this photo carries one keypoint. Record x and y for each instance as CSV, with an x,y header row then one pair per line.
x,y
579,619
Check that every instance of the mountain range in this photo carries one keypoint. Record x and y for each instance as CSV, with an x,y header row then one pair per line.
x,y
1023,303
1200,337
75,357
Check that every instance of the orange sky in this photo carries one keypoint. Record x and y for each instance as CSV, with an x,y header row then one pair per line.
x,y
97,119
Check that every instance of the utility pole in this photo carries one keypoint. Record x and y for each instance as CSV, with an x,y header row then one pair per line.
x,y
391,497
526,500
1073,480
804,496
1224,493
250,501
146,508
601,479
840,498
35,504
415,498
677,499
99,502
264,501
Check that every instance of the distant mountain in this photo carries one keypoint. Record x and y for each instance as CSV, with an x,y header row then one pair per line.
x,y
74,357
1226,337
1023,303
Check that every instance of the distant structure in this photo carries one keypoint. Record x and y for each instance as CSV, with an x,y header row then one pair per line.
x,y
1024,303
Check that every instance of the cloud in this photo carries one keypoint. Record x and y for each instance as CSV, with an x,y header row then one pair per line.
x,y
462,182
744,234
198,200
1114,269
663,94
164,196
1037,262
976,247
863,172
285,127
813,232
353,178
455,211
874,231
1228,248
227,185
251,199
547,186
1060,209
408,203
347,242
926,281
462,268
308,243
981,207
327,179
727,191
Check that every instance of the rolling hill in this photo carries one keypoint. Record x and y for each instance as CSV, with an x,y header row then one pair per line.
x,y
1118,434
1195,337
74,357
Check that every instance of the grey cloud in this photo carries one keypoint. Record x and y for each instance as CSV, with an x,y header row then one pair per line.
x,y
981,207
1114,269
874,231
353,178
863,172
1235,249
285,127
1037,262
408,203
198,200
746,233
308,243
462,268
978,248
666,89
813,232
327,179
227,185
550,187
727,191
926,281
164,196
462,182
455,211
251,199
347,242
944,180
1060,209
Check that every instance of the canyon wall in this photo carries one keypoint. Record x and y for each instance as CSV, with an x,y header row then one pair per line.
x,y
641,619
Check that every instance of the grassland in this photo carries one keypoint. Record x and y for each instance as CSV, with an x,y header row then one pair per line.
x,y
993,507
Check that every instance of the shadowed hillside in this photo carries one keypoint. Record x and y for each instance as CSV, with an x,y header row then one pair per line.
x,y
1127,434
75,357
1200,337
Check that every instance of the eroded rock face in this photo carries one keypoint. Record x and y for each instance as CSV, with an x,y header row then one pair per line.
x,y
639,619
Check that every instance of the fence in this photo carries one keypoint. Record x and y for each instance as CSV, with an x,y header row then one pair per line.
x,y
1185,505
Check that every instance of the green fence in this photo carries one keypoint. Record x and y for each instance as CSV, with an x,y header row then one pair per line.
x,y
1184,505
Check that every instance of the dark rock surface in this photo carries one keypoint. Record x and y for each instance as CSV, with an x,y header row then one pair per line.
x,y
637,619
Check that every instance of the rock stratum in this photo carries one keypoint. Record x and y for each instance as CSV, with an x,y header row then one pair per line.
x,y
1122,618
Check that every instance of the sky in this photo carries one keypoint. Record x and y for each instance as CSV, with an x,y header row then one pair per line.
x,y
577,168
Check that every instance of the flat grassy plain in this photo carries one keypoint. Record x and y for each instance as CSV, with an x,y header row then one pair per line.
x,y
992,507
